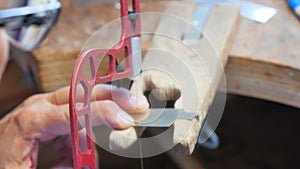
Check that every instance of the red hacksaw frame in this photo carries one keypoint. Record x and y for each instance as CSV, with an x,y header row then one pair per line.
x,y
86,159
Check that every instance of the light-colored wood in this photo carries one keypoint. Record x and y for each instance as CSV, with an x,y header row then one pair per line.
x,y
263,63
269,48
206,77
57,54
194,70
265,58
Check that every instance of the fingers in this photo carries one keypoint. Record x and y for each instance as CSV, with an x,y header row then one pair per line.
x,y
100,92
45,121
109,113
135,106
60,96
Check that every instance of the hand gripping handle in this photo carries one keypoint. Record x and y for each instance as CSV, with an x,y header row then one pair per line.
x,y
130,43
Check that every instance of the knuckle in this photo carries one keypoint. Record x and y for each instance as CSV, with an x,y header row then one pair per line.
x,y
23,120
32,99
64,115
108,106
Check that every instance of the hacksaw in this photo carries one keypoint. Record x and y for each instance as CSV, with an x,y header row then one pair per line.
x,y
130,42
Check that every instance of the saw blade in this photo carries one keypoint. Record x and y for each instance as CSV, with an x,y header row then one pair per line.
x,y
165,117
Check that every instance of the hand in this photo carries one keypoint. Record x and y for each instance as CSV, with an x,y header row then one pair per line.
x,y
43,117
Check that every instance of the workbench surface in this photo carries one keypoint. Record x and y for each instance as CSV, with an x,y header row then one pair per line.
x,y
57,55
264,60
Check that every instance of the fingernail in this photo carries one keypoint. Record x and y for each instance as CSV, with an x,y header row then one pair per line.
x,y
138,102
125,118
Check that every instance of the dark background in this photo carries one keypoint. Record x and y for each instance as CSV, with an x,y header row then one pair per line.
x,y
254,134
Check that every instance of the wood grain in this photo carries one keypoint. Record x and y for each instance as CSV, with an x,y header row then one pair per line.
x,y
264,59
57,54
194,69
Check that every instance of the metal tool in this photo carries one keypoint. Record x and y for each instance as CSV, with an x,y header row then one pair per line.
x,y
194,33
255,12
130,43
28,25
165,117
249,10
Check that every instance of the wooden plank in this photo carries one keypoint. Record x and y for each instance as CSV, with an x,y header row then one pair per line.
x,y
61,47
263,80
67,38
263,48
264,59
172,56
